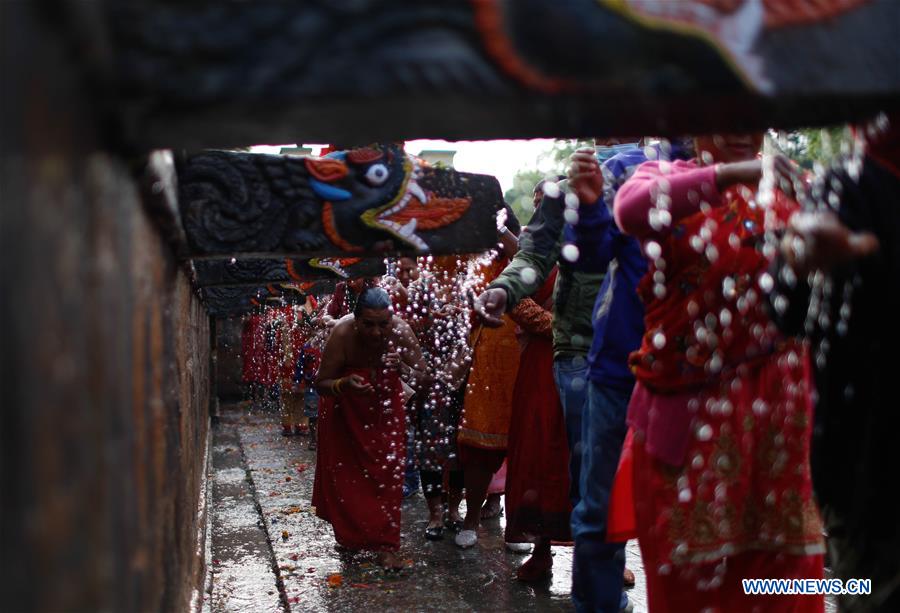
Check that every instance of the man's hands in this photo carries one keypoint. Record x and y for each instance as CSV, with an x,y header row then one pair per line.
x,y
325,321
819,241
585,177
392,360
357,384
490,306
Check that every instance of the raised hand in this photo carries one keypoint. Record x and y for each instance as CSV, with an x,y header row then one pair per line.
x,y
585,177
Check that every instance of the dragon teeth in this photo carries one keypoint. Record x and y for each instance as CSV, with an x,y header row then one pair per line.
x,y
410,228
413,188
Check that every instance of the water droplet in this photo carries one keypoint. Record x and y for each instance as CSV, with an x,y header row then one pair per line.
x,y
551,189
704,432
659,340
570,252
529,275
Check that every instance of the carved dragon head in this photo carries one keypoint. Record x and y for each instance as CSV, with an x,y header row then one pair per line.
x,y
375,188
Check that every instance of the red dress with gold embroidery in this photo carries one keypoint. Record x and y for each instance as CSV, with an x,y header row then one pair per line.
x,y
722,410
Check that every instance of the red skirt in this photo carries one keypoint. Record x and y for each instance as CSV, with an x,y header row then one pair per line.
x,y
360,465
537,479
620,522
741,504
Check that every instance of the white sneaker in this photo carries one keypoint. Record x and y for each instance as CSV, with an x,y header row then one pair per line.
x,y
466,538
519,547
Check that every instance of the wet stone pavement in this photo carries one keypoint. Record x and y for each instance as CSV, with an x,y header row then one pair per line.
x,y
271,553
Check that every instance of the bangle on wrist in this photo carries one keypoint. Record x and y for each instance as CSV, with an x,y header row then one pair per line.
x,y
502,230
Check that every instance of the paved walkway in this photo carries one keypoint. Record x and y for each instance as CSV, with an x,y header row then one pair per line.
x,y
271,553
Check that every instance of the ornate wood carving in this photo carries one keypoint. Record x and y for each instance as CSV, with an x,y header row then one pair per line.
x,y
197,74
266,270
365,201
227,301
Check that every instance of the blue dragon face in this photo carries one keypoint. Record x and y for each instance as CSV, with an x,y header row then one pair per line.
x,y
364,193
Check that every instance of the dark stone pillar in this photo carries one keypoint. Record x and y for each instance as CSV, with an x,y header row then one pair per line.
x,y
105,355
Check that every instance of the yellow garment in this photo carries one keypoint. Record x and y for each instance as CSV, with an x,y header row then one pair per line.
x,y
487,408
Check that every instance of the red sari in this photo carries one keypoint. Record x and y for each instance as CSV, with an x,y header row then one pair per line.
x,y
251,349
537,483
721,411
360,464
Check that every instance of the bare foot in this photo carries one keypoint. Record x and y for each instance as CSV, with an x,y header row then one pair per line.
x,y
491,508
390,560
628,578
537,567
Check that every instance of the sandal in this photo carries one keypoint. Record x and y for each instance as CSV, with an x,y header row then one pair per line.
x,y
435,533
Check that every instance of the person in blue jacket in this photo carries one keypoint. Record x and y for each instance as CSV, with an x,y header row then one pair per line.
x,y
618,323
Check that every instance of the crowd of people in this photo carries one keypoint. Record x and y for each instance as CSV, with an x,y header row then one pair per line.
x,y
686,345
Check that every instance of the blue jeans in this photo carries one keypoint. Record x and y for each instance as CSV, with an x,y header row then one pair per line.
x,y
597,567
570,374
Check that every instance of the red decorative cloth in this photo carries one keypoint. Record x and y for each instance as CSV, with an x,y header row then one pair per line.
x,y
621,525
712,584
360,464
537,482
252,349
722,412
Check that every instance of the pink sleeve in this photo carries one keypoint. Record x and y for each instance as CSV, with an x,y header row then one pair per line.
x,y
688,185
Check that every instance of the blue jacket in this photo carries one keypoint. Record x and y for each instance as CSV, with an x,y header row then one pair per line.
x,y
618,316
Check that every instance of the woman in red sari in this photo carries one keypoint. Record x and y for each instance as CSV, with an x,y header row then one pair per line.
x,y
721,410
362,426
537,484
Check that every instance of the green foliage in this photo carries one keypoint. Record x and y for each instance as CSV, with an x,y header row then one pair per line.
x,y
519,196
562,149
808,146
555,160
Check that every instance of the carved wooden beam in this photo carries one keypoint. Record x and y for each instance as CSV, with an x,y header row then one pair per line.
x,y
199,74
265,270
228,301
365,201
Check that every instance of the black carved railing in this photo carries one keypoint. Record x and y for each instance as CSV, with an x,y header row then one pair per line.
x,y
253,219
365,201
198,74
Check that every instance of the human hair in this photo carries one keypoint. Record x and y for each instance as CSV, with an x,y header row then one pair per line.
x,y
374,298
512,222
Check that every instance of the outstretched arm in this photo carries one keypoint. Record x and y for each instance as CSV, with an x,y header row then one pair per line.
x,y
679,192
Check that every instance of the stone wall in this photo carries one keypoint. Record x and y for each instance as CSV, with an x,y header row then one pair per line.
x,y
105,358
